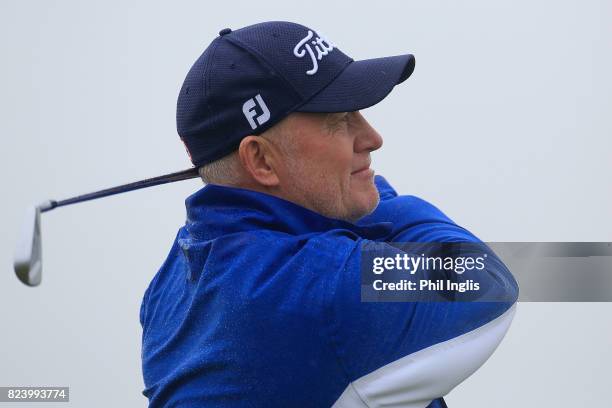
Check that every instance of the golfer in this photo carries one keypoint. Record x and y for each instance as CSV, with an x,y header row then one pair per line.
x,y
259,301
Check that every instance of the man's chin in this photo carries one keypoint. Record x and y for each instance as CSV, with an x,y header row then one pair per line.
x,y
364,204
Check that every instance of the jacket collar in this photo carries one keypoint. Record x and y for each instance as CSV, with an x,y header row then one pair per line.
x,y
216,210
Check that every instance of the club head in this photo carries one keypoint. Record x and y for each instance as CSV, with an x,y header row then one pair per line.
x,y
28,253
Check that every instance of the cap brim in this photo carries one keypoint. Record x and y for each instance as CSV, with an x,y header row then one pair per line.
x,y
361,84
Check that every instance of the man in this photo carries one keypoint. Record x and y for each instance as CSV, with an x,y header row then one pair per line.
x,y
258,303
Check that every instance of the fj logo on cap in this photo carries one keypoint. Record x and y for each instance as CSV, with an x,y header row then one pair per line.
x,y
321,45
248,108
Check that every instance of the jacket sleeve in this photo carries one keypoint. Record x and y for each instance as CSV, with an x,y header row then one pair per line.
x,y
414,219
410,353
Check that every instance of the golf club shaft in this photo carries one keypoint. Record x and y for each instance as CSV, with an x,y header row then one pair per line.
x,y
166,178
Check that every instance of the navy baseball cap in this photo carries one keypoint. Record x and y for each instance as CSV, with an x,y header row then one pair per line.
x,y
249,79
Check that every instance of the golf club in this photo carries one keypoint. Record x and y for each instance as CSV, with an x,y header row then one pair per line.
x,y
27,261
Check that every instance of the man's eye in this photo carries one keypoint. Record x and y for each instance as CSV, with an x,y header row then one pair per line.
x,y
339,122
340,125
342,120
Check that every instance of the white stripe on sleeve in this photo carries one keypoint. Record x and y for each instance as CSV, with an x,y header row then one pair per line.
x,y
415,380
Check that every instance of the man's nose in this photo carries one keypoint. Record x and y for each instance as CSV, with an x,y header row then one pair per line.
x,y
367,138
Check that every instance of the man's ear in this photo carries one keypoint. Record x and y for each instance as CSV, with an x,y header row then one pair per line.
x,y
257,157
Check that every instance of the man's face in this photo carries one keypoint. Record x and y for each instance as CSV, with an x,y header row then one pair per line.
x,y
327,166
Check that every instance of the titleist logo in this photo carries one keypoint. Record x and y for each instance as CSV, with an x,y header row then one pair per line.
x,y
321,45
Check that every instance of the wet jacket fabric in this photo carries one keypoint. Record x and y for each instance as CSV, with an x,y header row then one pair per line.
x,y
258,305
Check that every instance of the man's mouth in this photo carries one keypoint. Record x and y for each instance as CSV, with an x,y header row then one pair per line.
x,y
362,169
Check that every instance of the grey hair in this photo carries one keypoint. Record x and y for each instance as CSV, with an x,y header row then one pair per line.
x,y
225,170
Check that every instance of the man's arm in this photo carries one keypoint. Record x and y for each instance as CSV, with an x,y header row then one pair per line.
x,y
408,354
414,219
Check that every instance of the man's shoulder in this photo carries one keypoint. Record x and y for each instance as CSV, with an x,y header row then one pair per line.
x,y
259,268
262,273
317,249
263,253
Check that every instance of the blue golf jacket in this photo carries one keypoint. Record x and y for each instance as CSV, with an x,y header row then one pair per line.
x,y
258,305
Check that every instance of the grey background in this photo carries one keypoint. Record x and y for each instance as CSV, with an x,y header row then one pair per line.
x,y
504,125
